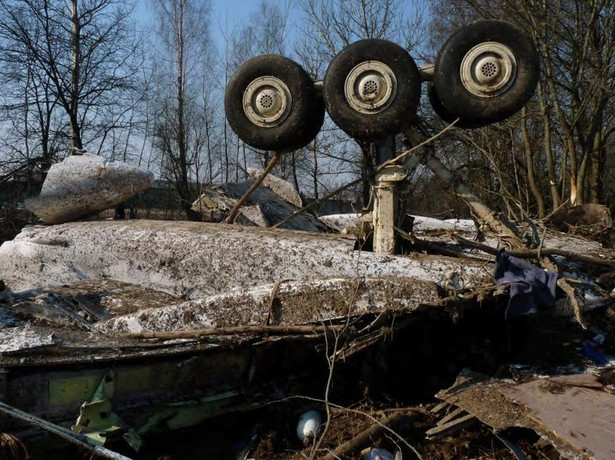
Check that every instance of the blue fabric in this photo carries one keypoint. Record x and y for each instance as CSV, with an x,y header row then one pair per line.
x,y
594,354
531,287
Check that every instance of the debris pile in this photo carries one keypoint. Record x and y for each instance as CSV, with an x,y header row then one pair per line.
x,y
266,343
85,184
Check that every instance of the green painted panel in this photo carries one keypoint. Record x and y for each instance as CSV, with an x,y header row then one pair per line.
x,y
70,390
129,380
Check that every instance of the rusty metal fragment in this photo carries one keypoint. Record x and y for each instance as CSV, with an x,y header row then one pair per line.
x,y
572,412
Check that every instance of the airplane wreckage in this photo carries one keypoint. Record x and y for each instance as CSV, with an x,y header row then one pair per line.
x,y
395,337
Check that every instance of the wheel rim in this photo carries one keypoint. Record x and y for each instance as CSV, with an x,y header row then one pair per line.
x,y
370,87
488,69
267,101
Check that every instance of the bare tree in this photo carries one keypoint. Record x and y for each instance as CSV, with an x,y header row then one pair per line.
x,y
181,129
86,55
558,146
28,111
330,25
265,32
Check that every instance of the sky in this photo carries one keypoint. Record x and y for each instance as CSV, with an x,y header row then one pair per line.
x,y
227,14
238,10
234,11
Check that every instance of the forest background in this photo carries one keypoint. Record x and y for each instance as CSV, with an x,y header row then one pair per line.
x,y
144,81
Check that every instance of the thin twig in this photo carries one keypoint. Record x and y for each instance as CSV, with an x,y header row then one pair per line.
x,y
274,293
331,360
364,414
533,254
408,152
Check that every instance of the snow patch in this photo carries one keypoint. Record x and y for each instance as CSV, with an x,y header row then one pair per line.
x,y
23,337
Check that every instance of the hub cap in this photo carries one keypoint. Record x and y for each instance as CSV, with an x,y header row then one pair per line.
x,y
267,101
370,87
488,69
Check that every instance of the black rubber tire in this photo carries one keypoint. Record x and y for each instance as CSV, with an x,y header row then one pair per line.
x,y
398,115
457,100
445,115
304,119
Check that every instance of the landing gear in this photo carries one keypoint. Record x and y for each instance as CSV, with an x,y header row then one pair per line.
x,y
371,89
272,104
484,73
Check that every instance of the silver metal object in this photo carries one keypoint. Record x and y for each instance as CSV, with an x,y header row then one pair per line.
x,y
370,87
488,70
267,101
308,426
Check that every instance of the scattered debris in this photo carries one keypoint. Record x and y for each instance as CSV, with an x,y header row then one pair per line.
x,y
572,412
584,215
280,187
127,329
85,184
263,208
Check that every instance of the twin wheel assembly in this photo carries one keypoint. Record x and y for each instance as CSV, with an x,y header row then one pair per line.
x,y
484,73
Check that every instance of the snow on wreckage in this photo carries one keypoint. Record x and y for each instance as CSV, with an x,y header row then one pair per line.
x,y
116,331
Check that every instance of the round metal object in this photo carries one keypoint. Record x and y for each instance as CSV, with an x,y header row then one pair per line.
x,y
267,101
488,69
308,426
370,87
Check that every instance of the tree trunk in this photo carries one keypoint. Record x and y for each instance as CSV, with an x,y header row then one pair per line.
x,y
597,166
556,199
315,170
76,142
293,160
529,164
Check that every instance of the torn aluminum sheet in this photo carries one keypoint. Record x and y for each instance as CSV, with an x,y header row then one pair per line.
x,y
263,207
86,184
278,186
342,222
25,337
287,303
573,412
97,420
200,259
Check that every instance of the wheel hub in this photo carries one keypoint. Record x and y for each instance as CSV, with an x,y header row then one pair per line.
x,y
370,87
267,101
488,70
